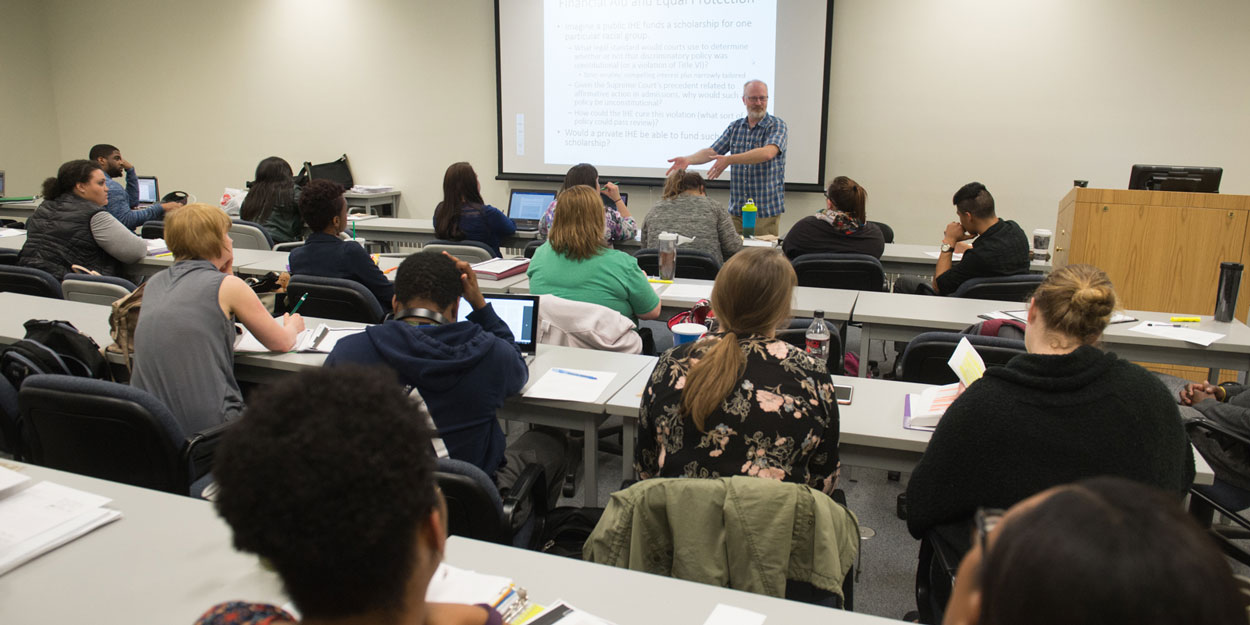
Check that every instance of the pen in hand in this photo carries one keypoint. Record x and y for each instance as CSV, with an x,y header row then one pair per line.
x,y
299,303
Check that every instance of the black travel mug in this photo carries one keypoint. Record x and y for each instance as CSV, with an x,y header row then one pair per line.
x,y
1226,296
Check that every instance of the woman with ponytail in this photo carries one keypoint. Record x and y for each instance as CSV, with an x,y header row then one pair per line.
x,y
741,402
1064,411
841,227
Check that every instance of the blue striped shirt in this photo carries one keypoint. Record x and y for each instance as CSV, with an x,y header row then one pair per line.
x,y
762,182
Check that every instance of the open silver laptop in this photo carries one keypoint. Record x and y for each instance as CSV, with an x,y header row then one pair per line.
x,y
526,207
519,312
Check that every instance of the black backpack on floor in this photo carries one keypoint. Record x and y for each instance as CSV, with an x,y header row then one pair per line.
x,y
566,530
54,347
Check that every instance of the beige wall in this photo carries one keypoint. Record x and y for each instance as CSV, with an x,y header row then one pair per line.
x,y
926,95
29,140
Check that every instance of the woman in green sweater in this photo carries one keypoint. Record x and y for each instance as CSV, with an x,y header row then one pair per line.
x,y
1065,411
576,264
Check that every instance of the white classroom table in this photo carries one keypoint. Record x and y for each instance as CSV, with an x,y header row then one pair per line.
x,y
19,210
374,203
14,242
837,304
900,317
912,259
169,558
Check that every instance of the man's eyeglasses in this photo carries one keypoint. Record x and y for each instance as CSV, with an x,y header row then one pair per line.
x,y
986,520
756,98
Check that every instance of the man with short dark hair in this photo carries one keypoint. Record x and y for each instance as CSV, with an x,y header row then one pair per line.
x,y
463,370
1002,249
123,201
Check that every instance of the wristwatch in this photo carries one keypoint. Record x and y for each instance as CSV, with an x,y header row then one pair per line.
x,y
946,247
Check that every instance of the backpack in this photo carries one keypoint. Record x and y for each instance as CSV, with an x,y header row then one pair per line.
x,y
123,319
52,347
565,530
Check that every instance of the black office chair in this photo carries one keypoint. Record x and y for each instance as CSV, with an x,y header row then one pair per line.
x,y
152,229
10,421
935,569
113,432
29,281
1017,288
250,235
796,335
466,250
887,232
690,263
1205,501
926,356
855,272
334,298
533,246
104,290
9,257
476,510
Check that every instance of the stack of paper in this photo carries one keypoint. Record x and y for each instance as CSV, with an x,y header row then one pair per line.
x,y
321,339
39,518
692,292
456,585
366,189
360,216
156,247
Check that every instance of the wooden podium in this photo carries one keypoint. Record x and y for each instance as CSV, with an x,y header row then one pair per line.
x,y
1162,249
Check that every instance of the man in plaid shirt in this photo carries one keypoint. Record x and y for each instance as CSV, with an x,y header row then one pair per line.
x,y
756,148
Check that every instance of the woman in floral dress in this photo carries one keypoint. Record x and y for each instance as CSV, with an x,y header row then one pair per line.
x,y
740,401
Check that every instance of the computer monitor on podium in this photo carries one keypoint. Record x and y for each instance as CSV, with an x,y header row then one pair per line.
x,y
1172,178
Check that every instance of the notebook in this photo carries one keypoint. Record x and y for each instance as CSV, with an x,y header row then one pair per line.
x,y
526,207
520,312
149,193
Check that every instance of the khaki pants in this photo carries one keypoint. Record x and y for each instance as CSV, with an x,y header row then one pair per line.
x,y
763,225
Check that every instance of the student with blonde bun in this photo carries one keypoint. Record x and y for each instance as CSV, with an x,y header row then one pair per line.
x,y
1064,411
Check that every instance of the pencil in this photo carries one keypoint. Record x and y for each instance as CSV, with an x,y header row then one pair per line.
x,y
299,303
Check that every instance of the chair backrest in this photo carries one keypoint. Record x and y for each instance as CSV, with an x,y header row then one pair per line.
x,y
29,281
1017,288
692,264
152,229
334,298
102,429
533,246
856,272
288,246
474,507
104,290
250,236
466,250
887,232
9,257
796,335
10,420
926,356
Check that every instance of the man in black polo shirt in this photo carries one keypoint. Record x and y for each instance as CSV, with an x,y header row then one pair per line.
x,y
1002,249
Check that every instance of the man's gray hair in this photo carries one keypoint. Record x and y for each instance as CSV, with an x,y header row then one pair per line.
x,y
750,82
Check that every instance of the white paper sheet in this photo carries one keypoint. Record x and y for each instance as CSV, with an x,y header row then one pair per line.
x,y
688,291
966,362
729,615
571,384
11,232
455,585
1168,331
10,480
758,243
954,257
42,507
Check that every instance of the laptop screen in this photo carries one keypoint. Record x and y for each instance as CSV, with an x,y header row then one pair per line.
x,y
519,312
529,204
1,184
147,190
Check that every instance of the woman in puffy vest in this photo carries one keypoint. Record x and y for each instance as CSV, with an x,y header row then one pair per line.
x,y
71,226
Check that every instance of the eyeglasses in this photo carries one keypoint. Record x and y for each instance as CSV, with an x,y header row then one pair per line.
x,y
756,98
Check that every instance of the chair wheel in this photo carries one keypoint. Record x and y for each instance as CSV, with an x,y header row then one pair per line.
x,y
894,476
570,484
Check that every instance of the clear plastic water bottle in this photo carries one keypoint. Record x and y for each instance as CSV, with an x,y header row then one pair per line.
x,y
818,337
749,211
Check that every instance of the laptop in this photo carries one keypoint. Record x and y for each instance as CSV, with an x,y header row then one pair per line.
x,y
526,207
149,193
520,312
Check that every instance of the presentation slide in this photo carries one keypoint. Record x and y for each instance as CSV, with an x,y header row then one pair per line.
x,y
627,84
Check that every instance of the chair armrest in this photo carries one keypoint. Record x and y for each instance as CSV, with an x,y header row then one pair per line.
x,y
530,485
198,450
1203,423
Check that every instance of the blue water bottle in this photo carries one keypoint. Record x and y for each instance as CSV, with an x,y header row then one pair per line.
x,y
748,218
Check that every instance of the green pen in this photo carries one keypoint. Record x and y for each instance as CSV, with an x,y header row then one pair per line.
x,y
299,303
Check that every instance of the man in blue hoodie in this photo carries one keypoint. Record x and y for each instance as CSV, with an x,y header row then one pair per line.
x,y
463,370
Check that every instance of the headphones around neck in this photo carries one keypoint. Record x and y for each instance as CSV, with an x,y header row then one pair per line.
x,y
422,313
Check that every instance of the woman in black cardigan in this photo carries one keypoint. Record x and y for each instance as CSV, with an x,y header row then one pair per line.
x,y
1063,412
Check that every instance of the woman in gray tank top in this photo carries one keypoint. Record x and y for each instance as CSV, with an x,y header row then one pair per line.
x,y
184,342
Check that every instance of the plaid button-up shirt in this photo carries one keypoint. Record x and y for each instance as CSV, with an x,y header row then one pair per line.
x,y
762,182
